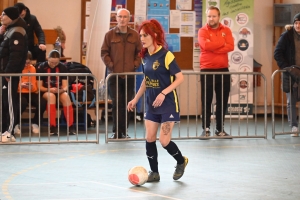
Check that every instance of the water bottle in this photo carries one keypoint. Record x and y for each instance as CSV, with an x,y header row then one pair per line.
x,y
57,45
101,90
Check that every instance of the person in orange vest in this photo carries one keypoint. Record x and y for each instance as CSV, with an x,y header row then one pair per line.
x,y
29,91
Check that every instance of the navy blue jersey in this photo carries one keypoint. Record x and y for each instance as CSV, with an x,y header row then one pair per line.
x,y
160,69
55,81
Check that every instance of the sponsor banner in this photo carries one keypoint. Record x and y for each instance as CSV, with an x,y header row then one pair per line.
x,y
239,109
238,16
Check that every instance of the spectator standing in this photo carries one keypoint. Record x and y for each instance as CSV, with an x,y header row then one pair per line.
x,y
13,53
162,77
215,42
119,53
33,27
286,54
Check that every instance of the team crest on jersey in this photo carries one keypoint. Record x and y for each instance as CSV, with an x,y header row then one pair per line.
x,y
155,65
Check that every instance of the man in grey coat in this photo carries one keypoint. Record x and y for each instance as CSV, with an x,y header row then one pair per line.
x,y
286,54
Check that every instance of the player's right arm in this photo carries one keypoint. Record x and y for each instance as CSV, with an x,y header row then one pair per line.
x,y
139,94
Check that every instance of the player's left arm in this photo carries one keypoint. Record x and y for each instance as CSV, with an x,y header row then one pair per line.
x,y
178,80
174,69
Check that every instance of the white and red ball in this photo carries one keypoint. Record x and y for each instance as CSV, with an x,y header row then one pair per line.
x,y
137,175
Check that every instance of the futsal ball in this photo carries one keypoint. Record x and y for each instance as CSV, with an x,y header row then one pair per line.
x,y
137,175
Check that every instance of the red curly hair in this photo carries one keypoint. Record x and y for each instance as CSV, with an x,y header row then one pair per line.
x,y
152,27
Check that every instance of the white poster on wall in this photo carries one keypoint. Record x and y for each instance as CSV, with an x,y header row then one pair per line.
x,y
184,4
140,7
187,23
174,18
87,8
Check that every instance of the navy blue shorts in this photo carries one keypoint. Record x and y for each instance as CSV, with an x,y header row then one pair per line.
x,y
161,118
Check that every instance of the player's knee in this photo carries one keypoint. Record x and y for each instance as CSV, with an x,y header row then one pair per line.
x,y
151,137
164,141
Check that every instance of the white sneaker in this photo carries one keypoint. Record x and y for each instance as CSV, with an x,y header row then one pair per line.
x,y
17,129
35,129
295,129
8,137
138,118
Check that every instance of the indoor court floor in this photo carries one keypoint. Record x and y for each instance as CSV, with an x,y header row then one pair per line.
x,y
217,169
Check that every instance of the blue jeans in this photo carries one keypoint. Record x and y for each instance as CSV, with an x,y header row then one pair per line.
x,y
292,111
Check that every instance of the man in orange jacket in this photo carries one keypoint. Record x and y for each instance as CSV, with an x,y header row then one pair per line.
x,y
215,42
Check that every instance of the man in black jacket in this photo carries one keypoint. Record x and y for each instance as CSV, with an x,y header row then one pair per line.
x,y
13,53
33,27
286,54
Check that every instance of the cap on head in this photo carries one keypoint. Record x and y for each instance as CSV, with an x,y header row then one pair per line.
x,y
296,17
12,12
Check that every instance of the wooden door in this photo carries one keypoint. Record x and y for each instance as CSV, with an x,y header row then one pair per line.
x,y
6,3
278,93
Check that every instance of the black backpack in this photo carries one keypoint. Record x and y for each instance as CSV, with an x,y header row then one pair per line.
x,y
75,67
87,81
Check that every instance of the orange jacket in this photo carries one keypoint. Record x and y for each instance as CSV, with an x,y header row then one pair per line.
x,y
29,79
215,45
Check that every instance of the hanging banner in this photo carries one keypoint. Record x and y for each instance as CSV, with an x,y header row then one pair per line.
x,y
238,16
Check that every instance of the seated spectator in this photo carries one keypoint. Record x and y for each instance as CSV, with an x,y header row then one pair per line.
x,y
54,87
27,88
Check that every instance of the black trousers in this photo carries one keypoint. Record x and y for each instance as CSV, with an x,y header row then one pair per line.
x,y
221,85
10,104
37,54
117,92
39,105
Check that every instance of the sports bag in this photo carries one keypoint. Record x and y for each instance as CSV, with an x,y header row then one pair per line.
x,y
81,93
75,67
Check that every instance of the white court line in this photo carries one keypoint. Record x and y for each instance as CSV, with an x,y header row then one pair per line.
x,y
53,183
148,193
127,197
123,188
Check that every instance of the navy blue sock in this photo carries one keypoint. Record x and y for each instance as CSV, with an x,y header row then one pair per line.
x,y
151,152
175,152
